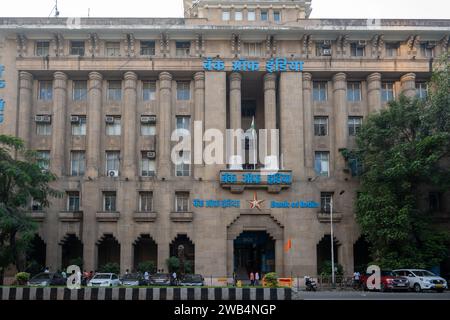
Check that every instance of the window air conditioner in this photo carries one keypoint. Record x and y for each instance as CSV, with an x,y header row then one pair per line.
x,y
74,119
151,154
362,43
148,119
113,173
43,118
109,119
326,52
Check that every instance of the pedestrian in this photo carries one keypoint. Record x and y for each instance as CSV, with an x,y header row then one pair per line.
x,y
46,270
252,278
91,274
234,278
174,276
64,274
256,278
356,279
146,275
127,271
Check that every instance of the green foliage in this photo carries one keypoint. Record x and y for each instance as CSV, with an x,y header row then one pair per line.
x,y
110,267
405,150
21,179
148,266
173,264
325,270
22,277
76,261
33,267
271,280
188,266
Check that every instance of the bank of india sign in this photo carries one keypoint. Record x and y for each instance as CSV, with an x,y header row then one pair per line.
x,y
271,65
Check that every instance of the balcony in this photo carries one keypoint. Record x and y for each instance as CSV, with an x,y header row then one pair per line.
x,y
325,217
37,215
70,216
107,216
144,216
272,181
186,216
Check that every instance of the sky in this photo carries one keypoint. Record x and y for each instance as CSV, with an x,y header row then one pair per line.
x,y
406,9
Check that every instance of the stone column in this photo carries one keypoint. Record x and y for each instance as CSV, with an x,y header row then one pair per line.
x,y
270,109
25,103
165,114
340,119
374,92
199,120
235,101
408,82
58,151
308,128
94,125
279,254
129,125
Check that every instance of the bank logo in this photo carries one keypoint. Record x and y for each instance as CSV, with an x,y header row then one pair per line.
x,y
255,203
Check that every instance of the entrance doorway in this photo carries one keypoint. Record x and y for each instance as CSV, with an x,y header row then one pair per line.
x,y
253,251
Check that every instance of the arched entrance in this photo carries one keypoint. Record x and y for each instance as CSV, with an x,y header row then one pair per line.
x,y
145,250
361,257
36,255
324,252
253,251
71,251
108,250
189,251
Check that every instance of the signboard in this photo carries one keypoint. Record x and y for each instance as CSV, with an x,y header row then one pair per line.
x,y
2,85
255,178
271,65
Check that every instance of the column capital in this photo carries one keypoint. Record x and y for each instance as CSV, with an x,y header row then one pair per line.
x,y
307,76
26,80
130,75
95,76
199,76
165,76
235,76
60,80
165,79
339,81
23,75
199,80
269,81
408,77
130,80
376,76
58,75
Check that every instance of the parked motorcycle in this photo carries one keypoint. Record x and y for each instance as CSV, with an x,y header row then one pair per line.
x,y
310,284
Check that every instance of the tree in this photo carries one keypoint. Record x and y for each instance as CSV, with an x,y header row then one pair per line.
x,y
404,151
21,179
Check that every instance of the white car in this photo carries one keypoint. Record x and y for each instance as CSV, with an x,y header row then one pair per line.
x,y
420,279
104,280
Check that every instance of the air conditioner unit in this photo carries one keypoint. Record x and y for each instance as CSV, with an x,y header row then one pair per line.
x,y
74,119
326,44
151,154
113,173
148,119
43,118
326,52
109,119
431,44
362,43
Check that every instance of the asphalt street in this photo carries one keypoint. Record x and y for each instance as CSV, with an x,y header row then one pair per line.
x,y
360,295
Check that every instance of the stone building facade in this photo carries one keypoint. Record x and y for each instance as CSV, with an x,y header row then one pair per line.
x,y
101,97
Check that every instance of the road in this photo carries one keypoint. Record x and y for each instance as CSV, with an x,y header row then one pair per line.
x,y
359,295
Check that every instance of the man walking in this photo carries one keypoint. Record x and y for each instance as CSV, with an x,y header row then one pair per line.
x,y
252,278
256,278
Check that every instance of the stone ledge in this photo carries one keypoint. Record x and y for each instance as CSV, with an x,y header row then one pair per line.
x,y
325,217
145,216
107,216
182,216
69,216
37,215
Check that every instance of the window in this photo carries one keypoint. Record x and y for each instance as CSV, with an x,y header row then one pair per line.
x,y
42,48
147,165
321,163
43,159
112,49
77,163
320,126
79,90
387,91
73,201
326,199
112,160
238,16
148,90
183,90
421,90
43,128
264,15
113,127
225,15
146,201
109,201
182,201
148,129
251,16
357,50
434,199
36,205
147,48
354,125
427,50
77,48
183,48
45,90
276,16
79,127
184,122
355,165
323,48
392,49
353,91
183,169
115,90
319,91
252,49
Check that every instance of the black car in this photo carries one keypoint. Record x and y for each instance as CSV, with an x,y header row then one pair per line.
x,y
45,279
192,280
133,279
160,279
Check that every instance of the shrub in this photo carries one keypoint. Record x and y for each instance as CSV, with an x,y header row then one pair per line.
x,y
188,266
148,266
77,262
325,270
110,267
22,278
173,264
271,280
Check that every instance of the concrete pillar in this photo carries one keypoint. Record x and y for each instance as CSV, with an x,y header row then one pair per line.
x,y
279,254
308,128
374,92
165,114
94,124
408,82
163,254
340,119
129,126
58,151
345,257
235,101
126,255
270,109
25,103
199,116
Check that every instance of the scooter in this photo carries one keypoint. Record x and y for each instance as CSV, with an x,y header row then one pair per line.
x,y
310,284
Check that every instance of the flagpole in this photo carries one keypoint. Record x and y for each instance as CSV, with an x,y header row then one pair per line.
x,y
254,143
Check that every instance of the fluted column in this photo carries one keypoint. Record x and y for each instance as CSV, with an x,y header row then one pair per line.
x,y
235,100
129,125
408,82
374,92
340,118
58,151
165,112
199,119
308,122
25,102
270,109
94,124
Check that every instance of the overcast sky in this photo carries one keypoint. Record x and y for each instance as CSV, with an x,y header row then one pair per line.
x,y
415,9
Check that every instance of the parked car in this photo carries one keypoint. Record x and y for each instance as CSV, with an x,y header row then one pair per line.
x,y
389,281
133,279
192,280
420,279
45,279
104,280
160,279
